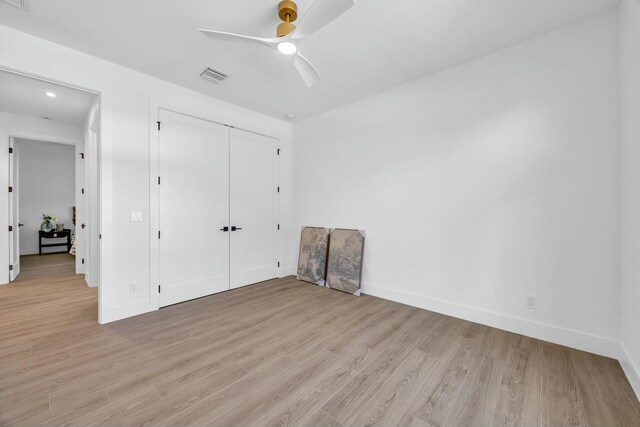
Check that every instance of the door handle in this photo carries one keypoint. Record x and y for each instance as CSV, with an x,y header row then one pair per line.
x,y
225,228
82,226
20,224
234,228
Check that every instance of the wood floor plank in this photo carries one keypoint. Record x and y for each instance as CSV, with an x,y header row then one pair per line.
x,y
409,420
349,399
315,393
477,404
183,395
321,419
388,401
231,396
434,402
265,399
282,353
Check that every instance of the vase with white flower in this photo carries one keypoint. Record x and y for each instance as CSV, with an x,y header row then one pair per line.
x,y
48,223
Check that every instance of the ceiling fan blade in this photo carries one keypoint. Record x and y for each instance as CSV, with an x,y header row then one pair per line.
x,y
320,14
221,35
307,71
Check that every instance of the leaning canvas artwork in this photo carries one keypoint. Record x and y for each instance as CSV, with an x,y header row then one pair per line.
x,y
344,271
312,261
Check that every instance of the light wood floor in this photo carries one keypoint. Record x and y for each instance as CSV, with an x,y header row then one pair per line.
x,y
283,353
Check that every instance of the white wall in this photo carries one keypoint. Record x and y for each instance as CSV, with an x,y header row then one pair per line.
x,y
46,184
630,184
125,137
483,184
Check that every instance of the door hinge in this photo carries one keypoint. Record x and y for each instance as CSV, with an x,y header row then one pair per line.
x,y
158,125
278,263
158,234
10,267
158,180
278,151
10,150
278,189
83,191
278,226
10,189
83,260
82,156
11,228
158,288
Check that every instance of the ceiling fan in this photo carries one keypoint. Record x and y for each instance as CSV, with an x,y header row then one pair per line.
x,y
288,35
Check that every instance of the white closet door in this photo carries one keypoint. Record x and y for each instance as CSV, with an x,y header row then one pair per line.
x,y
194,206
253,208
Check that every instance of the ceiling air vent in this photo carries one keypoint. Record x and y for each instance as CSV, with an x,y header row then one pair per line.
x,y
214,76
22,4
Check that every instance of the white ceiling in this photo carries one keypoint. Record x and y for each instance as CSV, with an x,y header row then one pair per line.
x,y
27,97
374,46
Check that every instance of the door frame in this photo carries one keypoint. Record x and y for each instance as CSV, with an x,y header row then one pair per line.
x,y
14,210
37,136
14,196
175,106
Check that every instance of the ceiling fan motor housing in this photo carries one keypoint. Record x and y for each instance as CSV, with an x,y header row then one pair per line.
x,y
288,12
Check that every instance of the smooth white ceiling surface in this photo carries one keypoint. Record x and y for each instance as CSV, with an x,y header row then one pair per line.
x,y
26,96
374,46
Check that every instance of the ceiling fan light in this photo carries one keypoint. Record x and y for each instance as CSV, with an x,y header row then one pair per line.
x,y
287,48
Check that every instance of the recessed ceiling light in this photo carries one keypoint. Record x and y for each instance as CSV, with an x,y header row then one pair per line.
x,y
51,94
287,48
290,116
47,117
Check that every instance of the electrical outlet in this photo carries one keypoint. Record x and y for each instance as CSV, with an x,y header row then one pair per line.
x,y
532,303
133,287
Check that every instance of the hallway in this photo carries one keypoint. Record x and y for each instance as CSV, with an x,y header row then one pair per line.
x,y
55,266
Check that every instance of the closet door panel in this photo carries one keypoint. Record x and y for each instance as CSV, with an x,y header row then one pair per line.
x,y
193,207
253,208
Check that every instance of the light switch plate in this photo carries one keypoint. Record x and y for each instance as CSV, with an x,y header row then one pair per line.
x,y
136,216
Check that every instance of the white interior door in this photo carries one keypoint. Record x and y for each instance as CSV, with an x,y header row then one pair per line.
x,y
193,208
14,213
253,208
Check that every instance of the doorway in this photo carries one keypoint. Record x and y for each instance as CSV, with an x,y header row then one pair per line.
x,y
44,199
52,133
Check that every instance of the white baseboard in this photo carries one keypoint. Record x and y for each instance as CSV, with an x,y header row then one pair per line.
x,y
568,337
630,369
126,311
288,271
